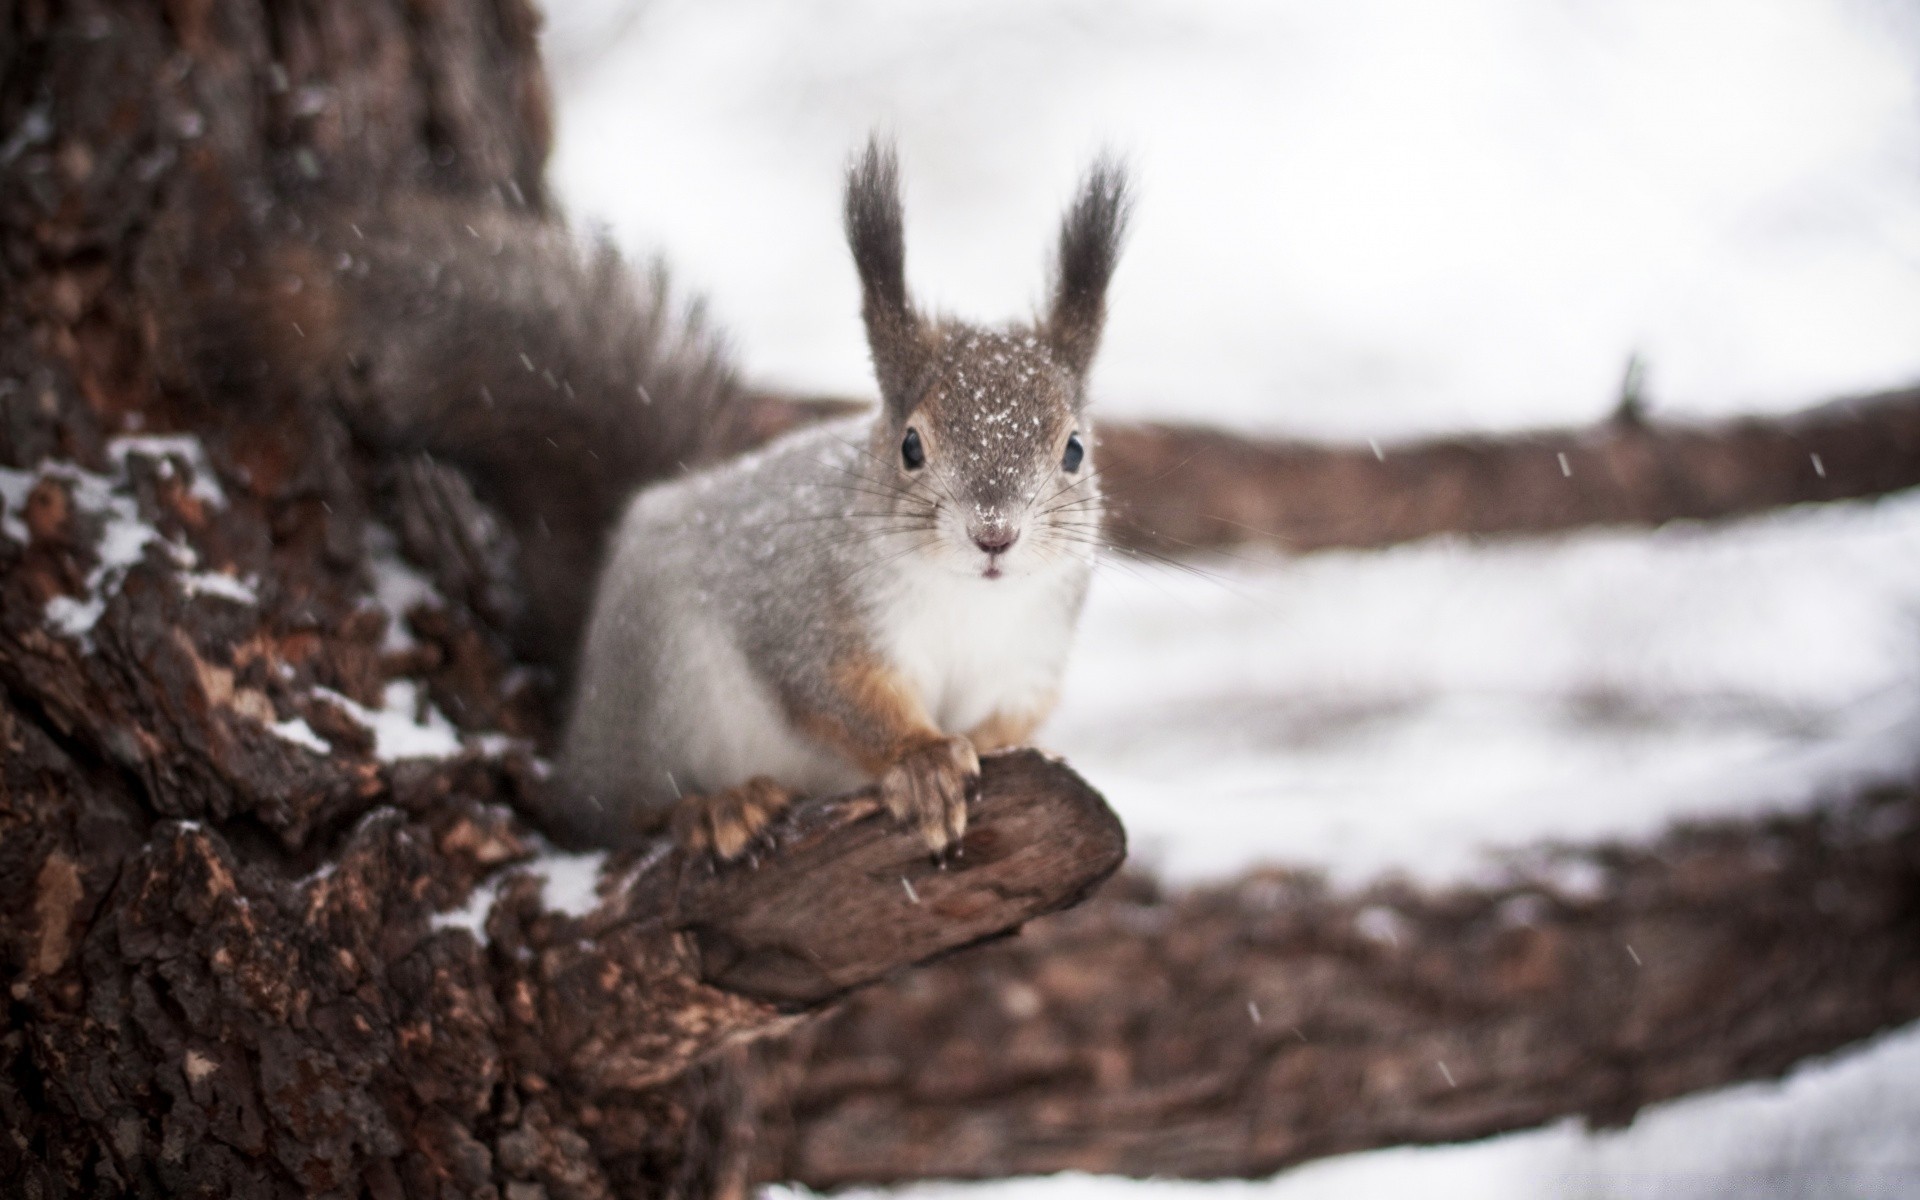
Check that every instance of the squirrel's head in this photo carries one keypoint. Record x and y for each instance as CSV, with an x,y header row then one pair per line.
x,y
984,431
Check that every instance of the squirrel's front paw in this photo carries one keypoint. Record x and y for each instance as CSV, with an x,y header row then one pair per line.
x,y
927,788
725,823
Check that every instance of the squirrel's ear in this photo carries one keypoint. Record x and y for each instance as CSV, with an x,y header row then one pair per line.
x,y
1090,238
874,231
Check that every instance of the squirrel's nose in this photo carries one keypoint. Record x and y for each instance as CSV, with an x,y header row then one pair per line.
x,y
995,540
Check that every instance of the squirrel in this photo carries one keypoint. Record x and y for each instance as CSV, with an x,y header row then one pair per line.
x,y
876,600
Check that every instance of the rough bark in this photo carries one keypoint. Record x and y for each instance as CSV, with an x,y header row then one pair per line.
x,y
1175,489
1232,1031
419,1014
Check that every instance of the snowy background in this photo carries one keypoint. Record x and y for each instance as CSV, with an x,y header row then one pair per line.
x,y
1383,218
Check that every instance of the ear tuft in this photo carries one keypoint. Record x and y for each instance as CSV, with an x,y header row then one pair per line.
x,y
875,232
1090,237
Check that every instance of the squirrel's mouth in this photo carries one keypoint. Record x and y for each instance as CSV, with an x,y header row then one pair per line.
x,y
994,543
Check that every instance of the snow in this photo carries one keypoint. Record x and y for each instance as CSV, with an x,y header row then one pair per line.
x,y
1420,710
215,583
397,586
1378,923
14,486
472,916
205,486
497,745
1372,221
297,731
569,884
404,726
571,880
75,618
35,127
124,537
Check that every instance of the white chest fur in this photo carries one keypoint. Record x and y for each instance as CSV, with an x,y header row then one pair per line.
x,y
972,646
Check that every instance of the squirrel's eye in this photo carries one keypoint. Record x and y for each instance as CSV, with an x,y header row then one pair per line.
x,y
1075,452
911,452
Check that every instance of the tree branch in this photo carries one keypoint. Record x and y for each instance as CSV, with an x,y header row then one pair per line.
x,y
679,958
1236,1030
1179,488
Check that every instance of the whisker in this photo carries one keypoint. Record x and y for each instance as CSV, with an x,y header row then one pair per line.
x,y
1086,480
863,568
1082,502
1196,547
1140,554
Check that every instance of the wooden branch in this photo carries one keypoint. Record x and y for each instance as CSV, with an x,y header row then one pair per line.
x,y
850,897
1233,1031
1180,488
680,958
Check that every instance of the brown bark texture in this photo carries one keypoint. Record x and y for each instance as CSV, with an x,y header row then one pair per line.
x,y
1179,488
1234,1030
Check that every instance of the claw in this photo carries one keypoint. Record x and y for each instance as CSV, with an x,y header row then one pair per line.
x,y
724,824
926,789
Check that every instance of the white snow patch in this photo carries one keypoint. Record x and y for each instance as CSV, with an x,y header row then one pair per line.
x,y
320,874
1431,709
571,880
493,744
397,586
14,486
123,541
206,486
124,536
472,916
297,731
1575,878
403,727
216,583
75,618
569,884
1378,923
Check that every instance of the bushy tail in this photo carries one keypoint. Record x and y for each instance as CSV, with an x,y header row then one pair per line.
x,y
551,374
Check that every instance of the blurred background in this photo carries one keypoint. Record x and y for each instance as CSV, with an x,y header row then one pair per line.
x,y
1380,220
1371,218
